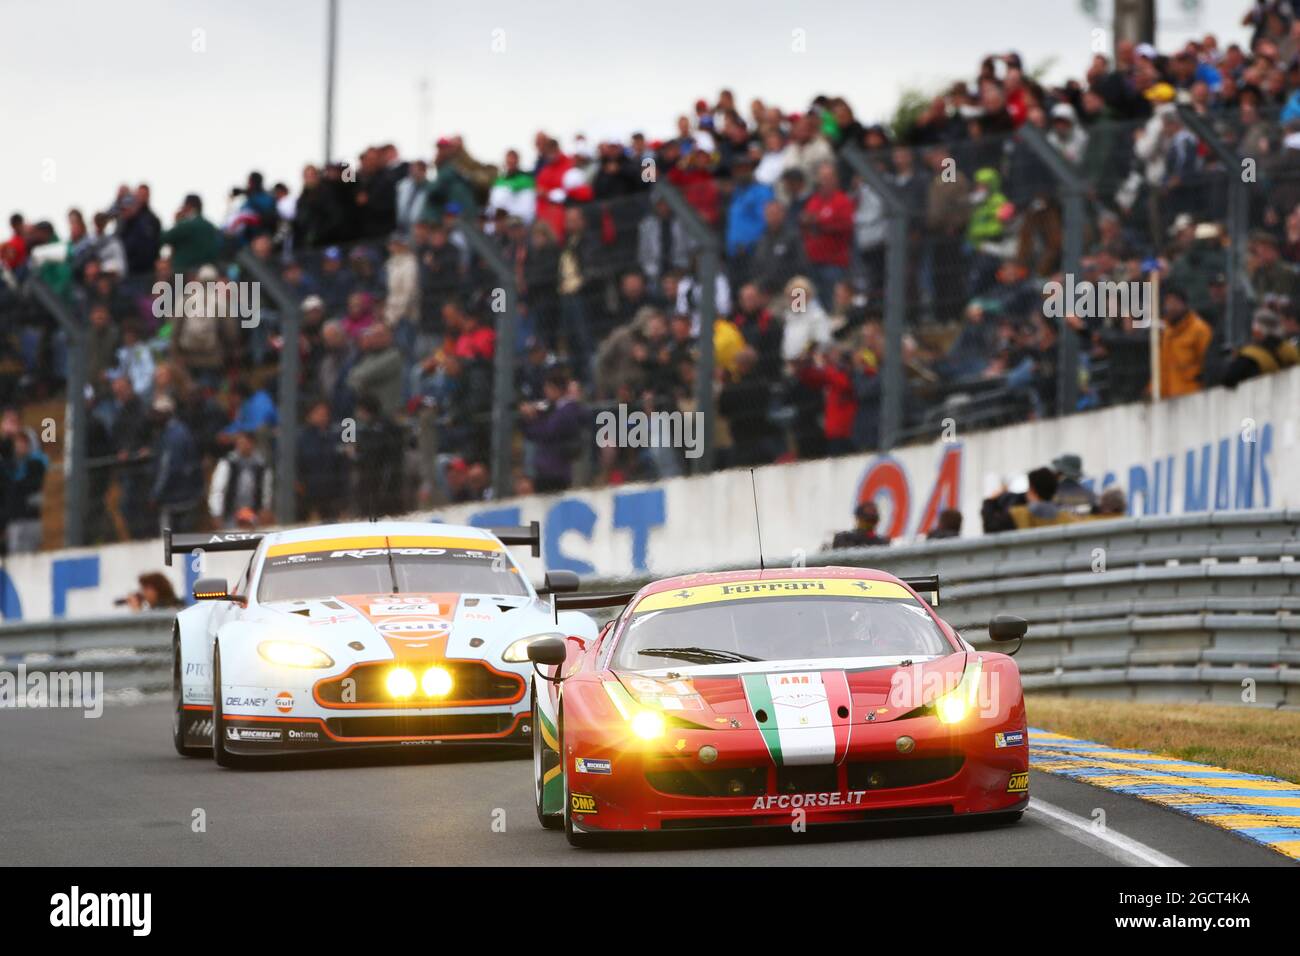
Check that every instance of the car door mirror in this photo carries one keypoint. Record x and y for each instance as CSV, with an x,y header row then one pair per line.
x,y
548,650
1008,627
559,582
211,589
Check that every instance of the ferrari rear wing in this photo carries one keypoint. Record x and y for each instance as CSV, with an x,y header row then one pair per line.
x,y
926,585
583,602
529,534
213,541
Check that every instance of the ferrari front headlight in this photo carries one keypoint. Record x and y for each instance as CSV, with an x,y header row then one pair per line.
x,y
952,707
648,724
293,654
645,723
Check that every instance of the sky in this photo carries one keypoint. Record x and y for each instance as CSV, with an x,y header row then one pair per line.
x,y
189,95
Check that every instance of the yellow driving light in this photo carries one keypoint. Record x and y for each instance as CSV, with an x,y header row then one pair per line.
x,y
293,654
436,682
648,724
401,682
953,706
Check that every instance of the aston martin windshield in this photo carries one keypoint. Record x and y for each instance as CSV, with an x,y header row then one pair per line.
x,y
720,624
367,570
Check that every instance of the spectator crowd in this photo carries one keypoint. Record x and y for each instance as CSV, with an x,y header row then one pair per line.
x,y
400,311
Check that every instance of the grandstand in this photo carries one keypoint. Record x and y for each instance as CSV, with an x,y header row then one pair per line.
x,y
852,268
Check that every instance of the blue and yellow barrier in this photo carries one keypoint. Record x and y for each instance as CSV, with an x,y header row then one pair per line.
x,y
1263,809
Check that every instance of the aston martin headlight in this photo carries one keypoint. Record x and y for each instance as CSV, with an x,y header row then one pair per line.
x,y
436,682
517,652
400,682
953,706
293,654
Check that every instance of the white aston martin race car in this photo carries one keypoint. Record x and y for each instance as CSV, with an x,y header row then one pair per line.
x,y
360,635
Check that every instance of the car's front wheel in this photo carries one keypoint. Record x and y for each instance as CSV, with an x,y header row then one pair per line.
x,y
546,763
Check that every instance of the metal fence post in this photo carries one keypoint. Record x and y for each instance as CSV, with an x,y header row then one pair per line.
x,y
899,216
1073,190
503,363
1238,220
74,417
286,448
708,267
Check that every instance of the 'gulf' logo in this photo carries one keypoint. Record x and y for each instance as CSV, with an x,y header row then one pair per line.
x,y
415,628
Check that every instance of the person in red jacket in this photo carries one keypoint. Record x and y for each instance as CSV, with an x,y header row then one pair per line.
x,y
14,252
552,164
827,221
829,371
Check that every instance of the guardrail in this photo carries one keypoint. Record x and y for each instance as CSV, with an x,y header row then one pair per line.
x,y
133,651
1191,607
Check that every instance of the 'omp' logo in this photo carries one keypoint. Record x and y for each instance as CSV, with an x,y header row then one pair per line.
x,y
582,803
1019,782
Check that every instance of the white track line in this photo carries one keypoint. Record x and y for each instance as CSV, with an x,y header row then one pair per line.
x,y
1114,845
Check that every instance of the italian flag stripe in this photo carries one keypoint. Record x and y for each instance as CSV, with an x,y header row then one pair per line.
x,y
759,695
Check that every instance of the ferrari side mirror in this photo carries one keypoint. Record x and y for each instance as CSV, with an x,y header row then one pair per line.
x,y
548,650
1008,627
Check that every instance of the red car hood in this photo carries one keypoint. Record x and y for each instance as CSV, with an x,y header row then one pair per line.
x,y
815,693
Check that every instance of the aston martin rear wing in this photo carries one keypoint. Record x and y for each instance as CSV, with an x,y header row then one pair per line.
x,y
529,534
211,541
926,585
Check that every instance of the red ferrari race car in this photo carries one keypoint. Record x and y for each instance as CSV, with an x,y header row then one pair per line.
x,y
776,698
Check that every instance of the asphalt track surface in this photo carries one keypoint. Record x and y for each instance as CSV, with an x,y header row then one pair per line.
x,y
111,791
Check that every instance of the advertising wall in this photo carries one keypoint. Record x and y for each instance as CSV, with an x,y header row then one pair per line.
x,y
1219,450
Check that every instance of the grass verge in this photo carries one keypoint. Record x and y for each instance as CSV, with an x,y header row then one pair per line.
x,y
1244,738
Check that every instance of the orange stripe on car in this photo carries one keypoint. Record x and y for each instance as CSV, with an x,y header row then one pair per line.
x,y
380,541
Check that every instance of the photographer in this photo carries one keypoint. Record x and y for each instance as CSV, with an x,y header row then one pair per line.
x,y
155,593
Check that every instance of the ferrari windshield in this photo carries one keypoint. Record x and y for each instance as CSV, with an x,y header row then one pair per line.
x,y
775,627
298,574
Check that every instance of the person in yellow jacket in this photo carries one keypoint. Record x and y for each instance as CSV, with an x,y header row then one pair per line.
x,y
1184,340
728,340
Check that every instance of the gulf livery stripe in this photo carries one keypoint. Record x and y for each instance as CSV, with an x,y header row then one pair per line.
x,y
1259,808
365,542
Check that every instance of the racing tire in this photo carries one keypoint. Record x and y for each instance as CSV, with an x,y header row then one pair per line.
x,y
178,708
220,754
543,762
